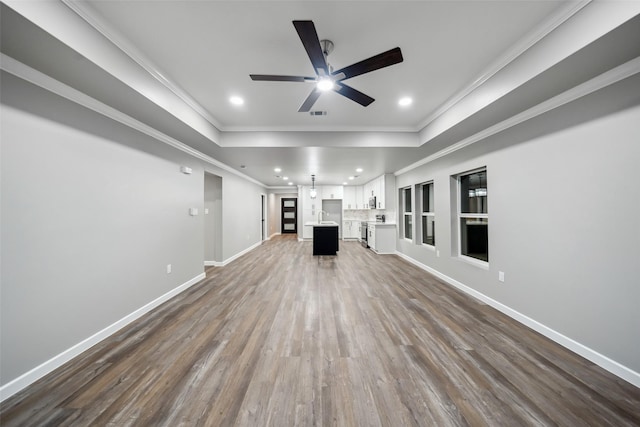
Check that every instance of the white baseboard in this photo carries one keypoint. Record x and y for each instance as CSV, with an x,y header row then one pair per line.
x,y
274,234
228,260
238,255
604,362
40,371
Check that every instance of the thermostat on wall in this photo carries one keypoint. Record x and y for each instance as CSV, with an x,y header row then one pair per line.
x,y
186,169
193,211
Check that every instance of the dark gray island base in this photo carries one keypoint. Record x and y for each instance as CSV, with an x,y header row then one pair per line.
x,y
325,240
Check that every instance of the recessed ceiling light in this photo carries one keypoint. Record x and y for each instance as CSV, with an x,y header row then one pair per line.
x,y
277,170
344,183
290,183
236,100
285,178
404,102
352,177
359,170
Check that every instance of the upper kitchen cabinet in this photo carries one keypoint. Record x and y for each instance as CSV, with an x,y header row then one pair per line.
x,y
354,197
383,189
349,201
359,197
332,192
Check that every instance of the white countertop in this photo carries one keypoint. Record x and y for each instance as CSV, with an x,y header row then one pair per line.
x,y
381,224
321,224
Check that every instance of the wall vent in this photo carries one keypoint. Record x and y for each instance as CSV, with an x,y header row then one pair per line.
x,y
318,113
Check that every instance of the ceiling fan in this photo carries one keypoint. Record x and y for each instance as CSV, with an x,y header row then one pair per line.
x,y
326,78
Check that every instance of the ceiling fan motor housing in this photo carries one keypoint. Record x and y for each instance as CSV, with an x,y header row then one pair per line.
x,y
327,47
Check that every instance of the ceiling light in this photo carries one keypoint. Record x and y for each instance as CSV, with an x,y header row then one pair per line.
x,y
277,170
290,183
352,177
325,84
312,192
359,170
404,102
236,100
344,183
285,178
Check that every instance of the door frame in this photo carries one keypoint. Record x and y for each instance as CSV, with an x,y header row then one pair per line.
x,y
264,220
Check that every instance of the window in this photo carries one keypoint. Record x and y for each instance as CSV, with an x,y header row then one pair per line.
x,y
408,213
428,217
473,215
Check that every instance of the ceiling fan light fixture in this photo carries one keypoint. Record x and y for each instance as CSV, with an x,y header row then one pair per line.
x,y
325,84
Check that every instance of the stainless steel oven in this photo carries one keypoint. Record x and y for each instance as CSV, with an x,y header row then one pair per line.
x,y
364,232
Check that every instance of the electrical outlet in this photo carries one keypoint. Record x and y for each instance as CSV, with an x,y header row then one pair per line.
x,y
501,276
168,268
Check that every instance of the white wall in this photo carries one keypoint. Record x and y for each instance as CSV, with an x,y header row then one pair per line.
x,y
563,209
91,214
241,215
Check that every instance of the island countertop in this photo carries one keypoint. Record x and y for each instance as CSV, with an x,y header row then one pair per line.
x,y
321,224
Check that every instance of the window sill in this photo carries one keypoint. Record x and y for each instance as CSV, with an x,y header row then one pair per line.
x,y
474,261
428,246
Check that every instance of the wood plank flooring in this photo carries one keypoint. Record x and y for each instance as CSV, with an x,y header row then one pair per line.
x,y
282,338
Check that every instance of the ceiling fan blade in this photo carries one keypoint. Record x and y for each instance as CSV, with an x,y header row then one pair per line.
x,y
309,37
390,57
353,94
277,78
311,99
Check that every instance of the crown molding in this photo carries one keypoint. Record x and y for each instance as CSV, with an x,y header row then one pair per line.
x,y
320,128
608,78
81,9
40,79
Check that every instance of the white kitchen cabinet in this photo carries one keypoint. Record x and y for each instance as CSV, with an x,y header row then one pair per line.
x,y
382,238
383,189
350,229
349,200
307,232
332,192
367,194
359,197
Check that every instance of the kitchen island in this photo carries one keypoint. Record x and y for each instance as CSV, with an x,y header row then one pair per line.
x,y
325,237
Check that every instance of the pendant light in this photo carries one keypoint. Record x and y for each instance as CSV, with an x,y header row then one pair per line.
x,y
312,192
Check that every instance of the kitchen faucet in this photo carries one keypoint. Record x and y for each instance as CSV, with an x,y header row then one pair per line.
x,y
320,216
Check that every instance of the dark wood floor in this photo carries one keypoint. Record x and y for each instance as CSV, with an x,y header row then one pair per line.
x,y
282,338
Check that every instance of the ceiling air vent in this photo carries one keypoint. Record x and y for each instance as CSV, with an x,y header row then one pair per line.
x,y
318,113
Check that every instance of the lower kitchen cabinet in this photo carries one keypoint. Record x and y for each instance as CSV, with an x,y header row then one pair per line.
x,y
350,229
382,237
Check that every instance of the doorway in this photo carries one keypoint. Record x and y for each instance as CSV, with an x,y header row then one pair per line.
x,y
263,223
289,219
212,219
